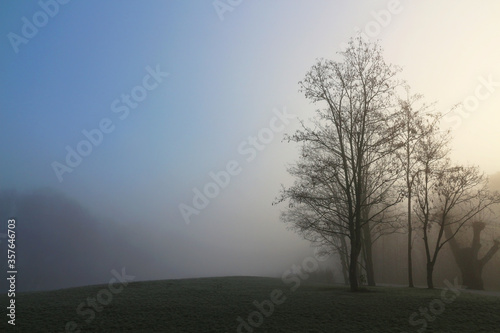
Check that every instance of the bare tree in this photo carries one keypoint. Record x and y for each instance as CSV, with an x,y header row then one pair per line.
x,y
415,123
343,175
449,197
315,210
467,258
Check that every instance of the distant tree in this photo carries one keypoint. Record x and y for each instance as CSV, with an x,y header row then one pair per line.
x,y
415,123
322,275
57,234
52,231
449,197
345,178
314,211
467,258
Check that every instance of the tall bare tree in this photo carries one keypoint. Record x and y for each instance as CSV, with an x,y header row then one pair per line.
x,y
351,135
315,210
415,123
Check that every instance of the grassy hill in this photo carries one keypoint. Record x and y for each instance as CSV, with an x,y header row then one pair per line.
x,y
214,305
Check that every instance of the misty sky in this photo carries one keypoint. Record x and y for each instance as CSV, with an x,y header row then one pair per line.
x,y
229,75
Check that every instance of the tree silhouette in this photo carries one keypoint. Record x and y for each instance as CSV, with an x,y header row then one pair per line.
x,y
467,258
346,176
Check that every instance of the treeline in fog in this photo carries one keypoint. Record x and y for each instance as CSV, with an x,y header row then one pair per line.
x,y
375,183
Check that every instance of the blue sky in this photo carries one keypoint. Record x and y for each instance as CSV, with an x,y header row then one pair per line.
x,y
225,79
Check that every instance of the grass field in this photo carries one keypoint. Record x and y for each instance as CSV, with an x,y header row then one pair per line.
x,y
214,305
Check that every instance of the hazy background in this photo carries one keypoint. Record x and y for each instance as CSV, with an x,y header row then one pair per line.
x,y
225,78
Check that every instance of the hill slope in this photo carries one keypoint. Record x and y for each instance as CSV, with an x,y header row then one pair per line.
x,y
215,304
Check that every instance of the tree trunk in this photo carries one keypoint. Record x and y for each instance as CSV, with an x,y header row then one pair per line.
x,y
345,269
430,270
467,259
410,264
361,274
472,275
344,259
409,187
353,272
353,262
367,241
